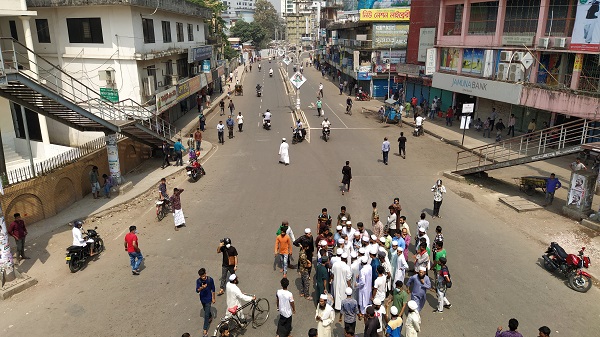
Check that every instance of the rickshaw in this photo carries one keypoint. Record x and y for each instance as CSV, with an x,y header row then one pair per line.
x,y
392,112
239,90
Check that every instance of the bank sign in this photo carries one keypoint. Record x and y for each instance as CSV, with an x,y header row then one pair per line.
x,y
494,90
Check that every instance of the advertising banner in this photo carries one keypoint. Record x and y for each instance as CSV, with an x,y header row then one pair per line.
x,y
386,35
431,60
387,14
206,66
195,84
364,76
166,99
494,90
203,81
112,150
449,59
586,31
183,90
426,41
472,61
381,56
199,53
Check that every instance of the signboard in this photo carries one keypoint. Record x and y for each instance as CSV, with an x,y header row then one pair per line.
x,y
386,35
430,62
198,54
387,14
494,90
297,80
517,40
287,61
577,66
209,77
586,31
206,66
408,69
109,94
194,83
464,122
166,99
472,60
356,59
468,107
203,81
426,41
183,90
364,76
449,58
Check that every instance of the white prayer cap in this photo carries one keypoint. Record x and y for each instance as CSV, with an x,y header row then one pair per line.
x,y
361,250
421,268
344,255
364,260
232,277
412,305
340,240
357,233
323,297
394,243
339,228
323,243
400,249
382,239
376,301
422,229
348,222
348,291
307,230
339,251
353,255
283,139
373,251
381,249
344,218
394,311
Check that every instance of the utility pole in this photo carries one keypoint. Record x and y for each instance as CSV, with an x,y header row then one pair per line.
x,y
389,69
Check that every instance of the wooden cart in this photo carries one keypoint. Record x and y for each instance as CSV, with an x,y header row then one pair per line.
x,y
530,183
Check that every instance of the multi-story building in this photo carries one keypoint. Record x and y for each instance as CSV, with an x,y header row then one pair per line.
x,y
238,10
536,59
302,24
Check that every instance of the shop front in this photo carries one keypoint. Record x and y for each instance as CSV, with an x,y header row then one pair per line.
x,y
173,103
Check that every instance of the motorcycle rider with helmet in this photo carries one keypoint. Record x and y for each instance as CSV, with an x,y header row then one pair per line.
x,y
267,117
78,239
325,124
271,72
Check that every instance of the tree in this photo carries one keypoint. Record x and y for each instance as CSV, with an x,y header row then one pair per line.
x,y
249,32
265,15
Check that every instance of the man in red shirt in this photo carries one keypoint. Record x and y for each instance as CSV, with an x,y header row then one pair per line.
x,y
18,231
132,248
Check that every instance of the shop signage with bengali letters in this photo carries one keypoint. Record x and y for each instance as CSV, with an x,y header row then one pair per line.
x,y
203,81
166,99
183,90
209,77
195,84
388,14
386,35
494,90
426,41
197,54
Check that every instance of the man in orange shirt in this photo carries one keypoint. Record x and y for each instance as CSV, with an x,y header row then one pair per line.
x,y
283,247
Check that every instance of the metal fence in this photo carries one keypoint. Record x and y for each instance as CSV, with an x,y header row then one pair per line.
x,y
53,163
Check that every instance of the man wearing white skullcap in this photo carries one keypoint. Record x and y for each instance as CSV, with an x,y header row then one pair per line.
x,y
324,315
413,320
401,266
365,284
417,287
306,241
342,277
394,326
235,295
348,230
349,310
338,233
355,269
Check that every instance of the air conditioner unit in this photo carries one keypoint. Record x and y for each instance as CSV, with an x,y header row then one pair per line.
x,y
502,73
194,70
544,42
171,80
107,75
515,73
560,42
505,56
148,86
517,56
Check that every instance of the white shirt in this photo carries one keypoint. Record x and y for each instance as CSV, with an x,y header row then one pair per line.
x,y
349,233
380,285
285,298
326,124
419,121
391,221
320,86
220,127
423,224
78,237
234,295
267,116
240,119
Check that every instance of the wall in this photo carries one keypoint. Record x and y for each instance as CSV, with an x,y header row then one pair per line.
x,y
423,14
47,195
562,102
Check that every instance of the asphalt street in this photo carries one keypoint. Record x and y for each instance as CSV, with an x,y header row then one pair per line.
x,y
246,194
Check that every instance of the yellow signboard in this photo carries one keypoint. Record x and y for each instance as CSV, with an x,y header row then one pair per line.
x,y
388,14
578,62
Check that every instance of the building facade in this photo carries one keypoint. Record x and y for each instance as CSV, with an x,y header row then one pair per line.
x,y
238,10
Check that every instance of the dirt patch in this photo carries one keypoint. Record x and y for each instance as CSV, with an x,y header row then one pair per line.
x,y
466,195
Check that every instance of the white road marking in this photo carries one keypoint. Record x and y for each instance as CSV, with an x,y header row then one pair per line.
x,y
349,128
336,115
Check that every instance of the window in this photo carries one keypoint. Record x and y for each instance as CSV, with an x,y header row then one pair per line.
x,y
43,30
148,27
85,30
560,18
190,32
521,17
182,68
179,27
166,28
482,20
152,72
13,29
453,20
169,68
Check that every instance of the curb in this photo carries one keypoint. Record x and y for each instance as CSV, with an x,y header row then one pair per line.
x,y
106,211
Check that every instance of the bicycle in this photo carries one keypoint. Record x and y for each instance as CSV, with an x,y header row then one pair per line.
x,y
163,207
260,314
349,109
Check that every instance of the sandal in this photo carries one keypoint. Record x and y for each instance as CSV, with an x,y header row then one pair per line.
x,y
221,292
309,298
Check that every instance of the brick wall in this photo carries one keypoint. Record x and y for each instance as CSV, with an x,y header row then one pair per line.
x,y
45,196
423,14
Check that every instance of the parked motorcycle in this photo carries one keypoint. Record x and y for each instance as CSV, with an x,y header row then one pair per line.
x,y
298,135
569,265
362,96
326,133
195,170
77,255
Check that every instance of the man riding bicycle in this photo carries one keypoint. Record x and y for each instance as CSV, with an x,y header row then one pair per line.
x,y
349,104
235,295
162,193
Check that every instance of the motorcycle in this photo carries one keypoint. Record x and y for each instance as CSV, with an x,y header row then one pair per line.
x,y
77,255
418,131
258,92
195,170
569,265
326,133
267,124
362,96
271,74
298,135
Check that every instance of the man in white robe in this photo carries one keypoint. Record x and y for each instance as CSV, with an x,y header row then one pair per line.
x,y
401,266
235,296
365,284
342,277
325,315
284,156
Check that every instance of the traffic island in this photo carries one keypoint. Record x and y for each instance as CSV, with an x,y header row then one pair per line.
x,y
21,282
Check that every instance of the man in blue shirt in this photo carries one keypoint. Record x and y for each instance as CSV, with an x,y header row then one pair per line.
x,y
385,149
552,184
229,123
179,148
205,287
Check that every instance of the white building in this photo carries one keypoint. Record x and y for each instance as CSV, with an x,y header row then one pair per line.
x,y
132,48
238,10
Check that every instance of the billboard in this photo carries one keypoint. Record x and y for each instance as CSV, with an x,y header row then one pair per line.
x,y
390,35
586,31
426,41
380,56
387,14
472,61
449,59
350,5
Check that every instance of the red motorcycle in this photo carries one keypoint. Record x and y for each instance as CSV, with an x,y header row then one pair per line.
x,y
569,265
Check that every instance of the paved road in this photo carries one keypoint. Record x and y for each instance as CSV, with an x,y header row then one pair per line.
x,y
246,194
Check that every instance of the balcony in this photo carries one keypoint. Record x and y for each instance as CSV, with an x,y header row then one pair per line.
x,y
355,44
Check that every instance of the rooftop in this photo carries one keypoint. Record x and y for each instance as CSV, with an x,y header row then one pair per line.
x,y
182,7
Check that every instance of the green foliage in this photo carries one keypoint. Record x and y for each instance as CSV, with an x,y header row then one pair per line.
x,y
265,15
216,5
249,32
230,53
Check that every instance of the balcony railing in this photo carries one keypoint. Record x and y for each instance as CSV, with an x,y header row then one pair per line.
x,y
355,43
